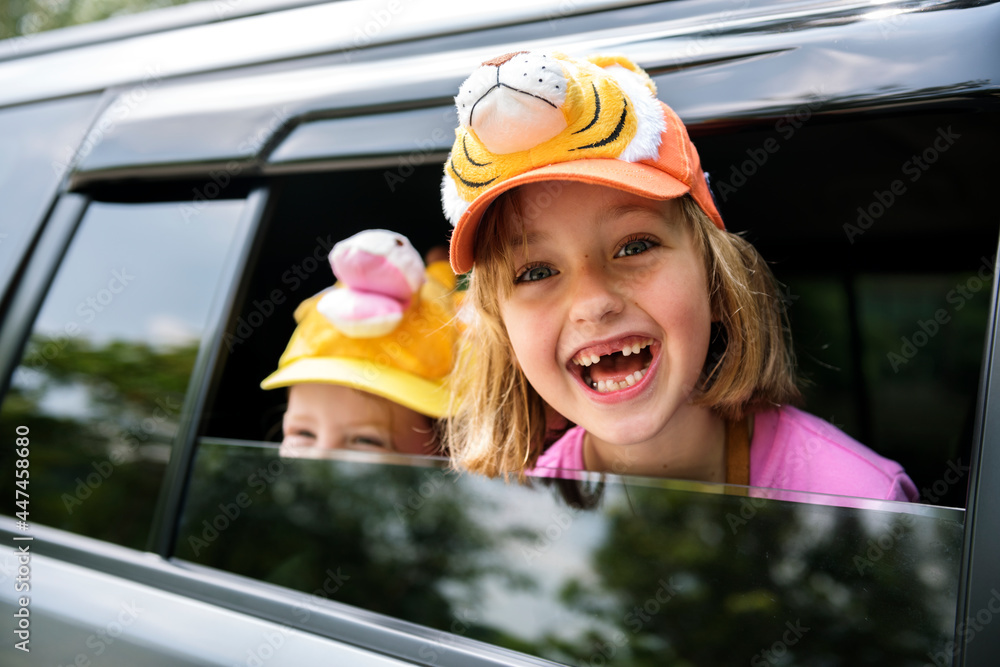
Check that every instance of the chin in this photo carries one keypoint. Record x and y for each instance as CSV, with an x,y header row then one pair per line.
x,y
624,434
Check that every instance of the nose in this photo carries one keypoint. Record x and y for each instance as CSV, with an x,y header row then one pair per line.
x,y
596,296
500,60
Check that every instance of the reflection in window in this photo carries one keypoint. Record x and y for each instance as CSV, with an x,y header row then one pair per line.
x,y
106,367
39,142
649,572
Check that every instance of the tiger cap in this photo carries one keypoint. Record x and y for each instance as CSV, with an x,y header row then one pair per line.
x,y
528,117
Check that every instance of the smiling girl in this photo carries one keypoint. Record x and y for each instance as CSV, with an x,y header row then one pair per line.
x,y
605,289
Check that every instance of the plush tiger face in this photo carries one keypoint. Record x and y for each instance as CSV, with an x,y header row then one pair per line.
x,y
525,110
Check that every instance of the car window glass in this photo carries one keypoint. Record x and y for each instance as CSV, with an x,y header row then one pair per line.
x,y
104,373
39,142
614,572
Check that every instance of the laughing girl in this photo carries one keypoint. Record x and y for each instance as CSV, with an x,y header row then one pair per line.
x,y
605,289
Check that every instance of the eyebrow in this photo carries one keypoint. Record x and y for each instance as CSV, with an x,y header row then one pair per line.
x,y
524,240
624,209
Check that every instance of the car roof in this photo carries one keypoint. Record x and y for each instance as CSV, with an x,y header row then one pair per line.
x,y
184,91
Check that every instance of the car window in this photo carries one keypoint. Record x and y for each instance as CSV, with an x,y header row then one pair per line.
x,y
643,572
609,570
882,233
105,370
38,147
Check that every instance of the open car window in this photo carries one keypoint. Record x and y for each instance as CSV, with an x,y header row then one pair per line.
x,y
617,570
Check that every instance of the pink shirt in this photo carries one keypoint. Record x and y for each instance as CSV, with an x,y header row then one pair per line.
x,y
790,450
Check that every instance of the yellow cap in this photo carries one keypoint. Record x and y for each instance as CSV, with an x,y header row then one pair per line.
x,y
409,365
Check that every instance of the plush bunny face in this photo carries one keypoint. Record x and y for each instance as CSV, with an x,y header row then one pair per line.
x,y
387,328
380,272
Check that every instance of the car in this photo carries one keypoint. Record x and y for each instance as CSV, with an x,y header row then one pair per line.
x,y
172,184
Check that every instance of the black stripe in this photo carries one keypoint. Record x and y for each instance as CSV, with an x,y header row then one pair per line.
x,y
597,110
611,137
469,184
468,157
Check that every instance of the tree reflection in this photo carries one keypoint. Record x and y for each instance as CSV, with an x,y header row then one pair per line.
x,y
637,575
102,417
680,582
401,540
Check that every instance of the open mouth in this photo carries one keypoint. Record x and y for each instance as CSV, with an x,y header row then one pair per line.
x,y
617,369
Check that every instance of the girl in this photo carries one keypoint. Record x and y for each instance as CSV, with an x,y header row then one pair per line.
x,y
606,290
367,363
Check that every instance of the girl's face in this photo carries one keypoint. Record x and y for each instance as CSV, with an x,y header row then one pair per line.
x,y
609,315
322,417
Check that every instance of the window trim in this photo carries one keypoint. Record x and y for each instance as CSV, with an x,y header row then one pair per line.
x,y
22,253
980,574
329,619
40,270
163,531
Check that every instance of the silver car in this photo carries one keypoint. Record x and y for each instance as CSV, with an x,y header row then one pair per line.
x,y
170,186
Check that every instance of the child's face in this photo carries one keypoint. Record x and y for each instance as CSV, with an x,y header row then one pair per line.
x,y
604,271
322,417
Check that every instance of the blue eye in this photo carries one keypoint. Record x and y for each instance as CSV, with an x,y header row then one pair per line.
x,y
534,274
634,247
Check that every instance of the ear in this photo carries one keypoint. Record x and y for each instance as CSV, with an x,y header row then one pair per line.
x,y
606,61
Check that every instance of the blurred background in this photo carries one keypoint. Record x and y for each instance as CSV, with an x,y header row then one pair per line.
x,y
21,18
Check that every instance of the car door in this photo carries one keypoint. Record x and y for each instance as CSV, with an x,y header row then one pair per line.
x,y
157,290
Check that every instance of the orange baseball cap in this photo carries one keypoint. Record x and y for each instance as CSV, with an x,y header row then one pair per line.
x,y
612,132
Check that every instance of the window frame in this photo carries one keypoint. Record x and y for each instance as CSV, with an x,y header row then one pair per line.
x,y
980,574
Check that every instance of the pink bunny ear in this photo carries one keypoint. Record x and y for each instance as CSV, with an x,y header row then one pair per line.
x,y
380,272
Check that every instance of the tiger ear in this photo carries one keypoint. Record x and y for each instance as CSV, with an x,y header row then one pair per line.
x,y
605,61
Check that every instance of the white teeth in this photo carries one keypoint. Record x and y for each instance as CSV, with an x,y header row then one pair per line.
x,y
590,360
605,386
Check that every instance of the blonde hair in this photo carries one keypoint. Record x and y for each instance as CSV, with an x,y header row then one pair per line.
x,y
498,424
